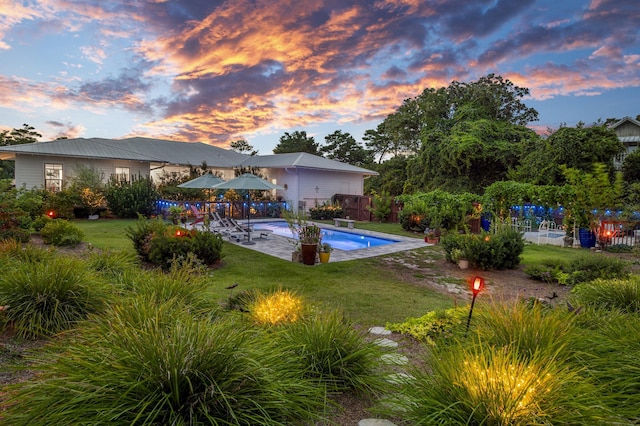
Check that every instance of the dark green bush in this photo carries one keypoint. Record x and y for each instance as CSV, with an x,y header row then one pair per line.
x,y
165,248
619,248
500,250
585,268
60,232
39,222
17,234
140,234
130,199
61,203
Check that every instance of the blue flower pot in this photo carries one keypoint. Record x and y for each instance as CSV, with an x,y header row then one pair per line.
x,y
587,238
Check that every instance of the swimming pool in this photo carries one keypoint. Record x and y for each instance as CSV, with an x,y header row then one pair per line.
x,y
338,239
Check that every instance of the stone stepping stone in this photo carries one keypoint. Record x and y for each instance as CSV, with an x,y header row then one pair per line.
x,y
386,343
375,422
379,331
394,359
400,378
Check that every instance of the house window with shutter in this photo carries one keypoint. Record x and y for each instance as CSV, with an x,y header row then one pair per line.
x,y
53,177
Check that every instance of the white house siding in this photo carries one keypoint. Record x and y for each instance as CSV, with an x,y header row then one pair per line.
x,y
287,179
158,170
317,187
30,168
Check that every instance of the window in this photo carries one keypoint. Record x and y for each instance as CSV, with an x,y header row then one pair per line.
x,y
122,174
53,177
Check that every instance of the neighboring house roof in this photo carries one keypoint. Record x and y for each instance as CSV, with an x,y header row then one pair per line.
x,y
141,149
629,139
619,122
302,160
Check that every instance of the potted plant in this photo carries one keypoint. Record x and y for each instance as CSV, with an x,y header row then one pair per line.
x,y
324,252
174,213
458,256
432,237
309,237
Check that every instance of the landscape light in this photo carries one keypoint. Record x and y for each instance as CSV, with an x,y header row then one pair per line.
x,y
476,287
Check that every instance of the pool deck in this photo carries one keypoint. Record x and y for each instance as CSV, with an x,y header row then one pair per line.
x,y
283,247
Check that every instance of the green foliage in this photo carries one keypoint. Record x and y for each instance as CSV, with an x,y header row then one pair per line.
x,y
391,178
331,352
16,234
298,141
111,264
344,148
13,215
13,251
586,267
38,223
47,297
436,209
165,247
612,294
141,232
130,199
435,326
631,167
483,384
309,234
326,211
144,363
381,206
500,250
519,367
242,300
60,232
619,248
61,203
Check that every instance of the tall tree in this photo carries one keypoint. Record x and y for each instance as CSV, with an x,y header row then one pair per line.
x,y
243,147
26,134
574,147
297,141
343,147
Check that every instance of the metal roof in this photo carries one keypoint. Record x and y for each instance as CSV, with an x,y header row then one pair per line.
x,y
628,139
302,160
140,149
619,122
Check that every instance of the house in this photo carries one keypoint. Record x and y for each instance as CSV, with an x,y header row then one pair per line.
x,y
308,179
628,132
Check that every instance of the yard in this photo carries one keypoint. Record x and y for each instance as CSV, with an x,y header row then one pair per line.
x,y
370,292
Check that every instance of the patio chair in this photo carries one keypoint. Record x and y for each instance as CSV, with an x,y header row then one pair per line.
x,y
199,217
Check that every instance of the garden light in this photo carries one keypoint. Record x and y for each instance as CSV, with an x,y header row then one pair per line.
x,y
51,214
178,233
476,287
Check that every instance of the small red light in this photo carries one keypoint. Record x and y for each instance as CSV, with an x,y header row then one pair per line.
x,y
487,238
477,284
51,213
178,233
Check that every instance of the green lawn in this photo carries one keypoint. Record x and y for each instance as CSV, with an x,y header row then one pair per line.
x,y
368,292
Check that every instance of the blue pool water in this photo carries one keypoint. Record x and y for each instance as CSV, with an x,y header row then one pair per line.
x,y
338,239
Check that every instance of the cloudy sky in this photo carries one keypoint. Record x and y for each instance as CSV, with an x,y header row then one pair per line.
x,y
217,71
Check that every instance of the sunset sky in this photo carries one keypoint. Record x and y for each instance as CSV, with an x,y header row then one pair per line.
x,y
217,71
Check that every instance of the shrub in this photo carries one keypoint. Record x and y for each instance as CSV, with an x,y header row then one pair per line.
x,y
111,264
130,199
330,351
145,363
39,222
619,248
242,300
585,268
500,250
48,297
16,234
433,326
169,246
60,232
17,251
612,294
61,203
326,211
493,385
141,232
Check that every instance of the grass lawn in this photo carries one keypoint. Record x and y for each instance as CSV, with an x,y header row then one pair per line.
x,y
369,292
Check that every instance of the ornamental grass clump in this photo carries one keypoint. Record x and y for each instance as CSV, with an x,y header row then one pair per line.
x,y
45,298
156,364
331,352
612,294
276,308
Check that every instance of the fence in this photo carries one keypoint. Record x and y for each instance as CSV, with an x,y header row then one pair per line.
x,y
235,209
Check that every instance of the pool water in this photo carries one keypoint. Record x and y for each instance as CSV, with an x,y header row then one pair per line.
x,y
338,239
